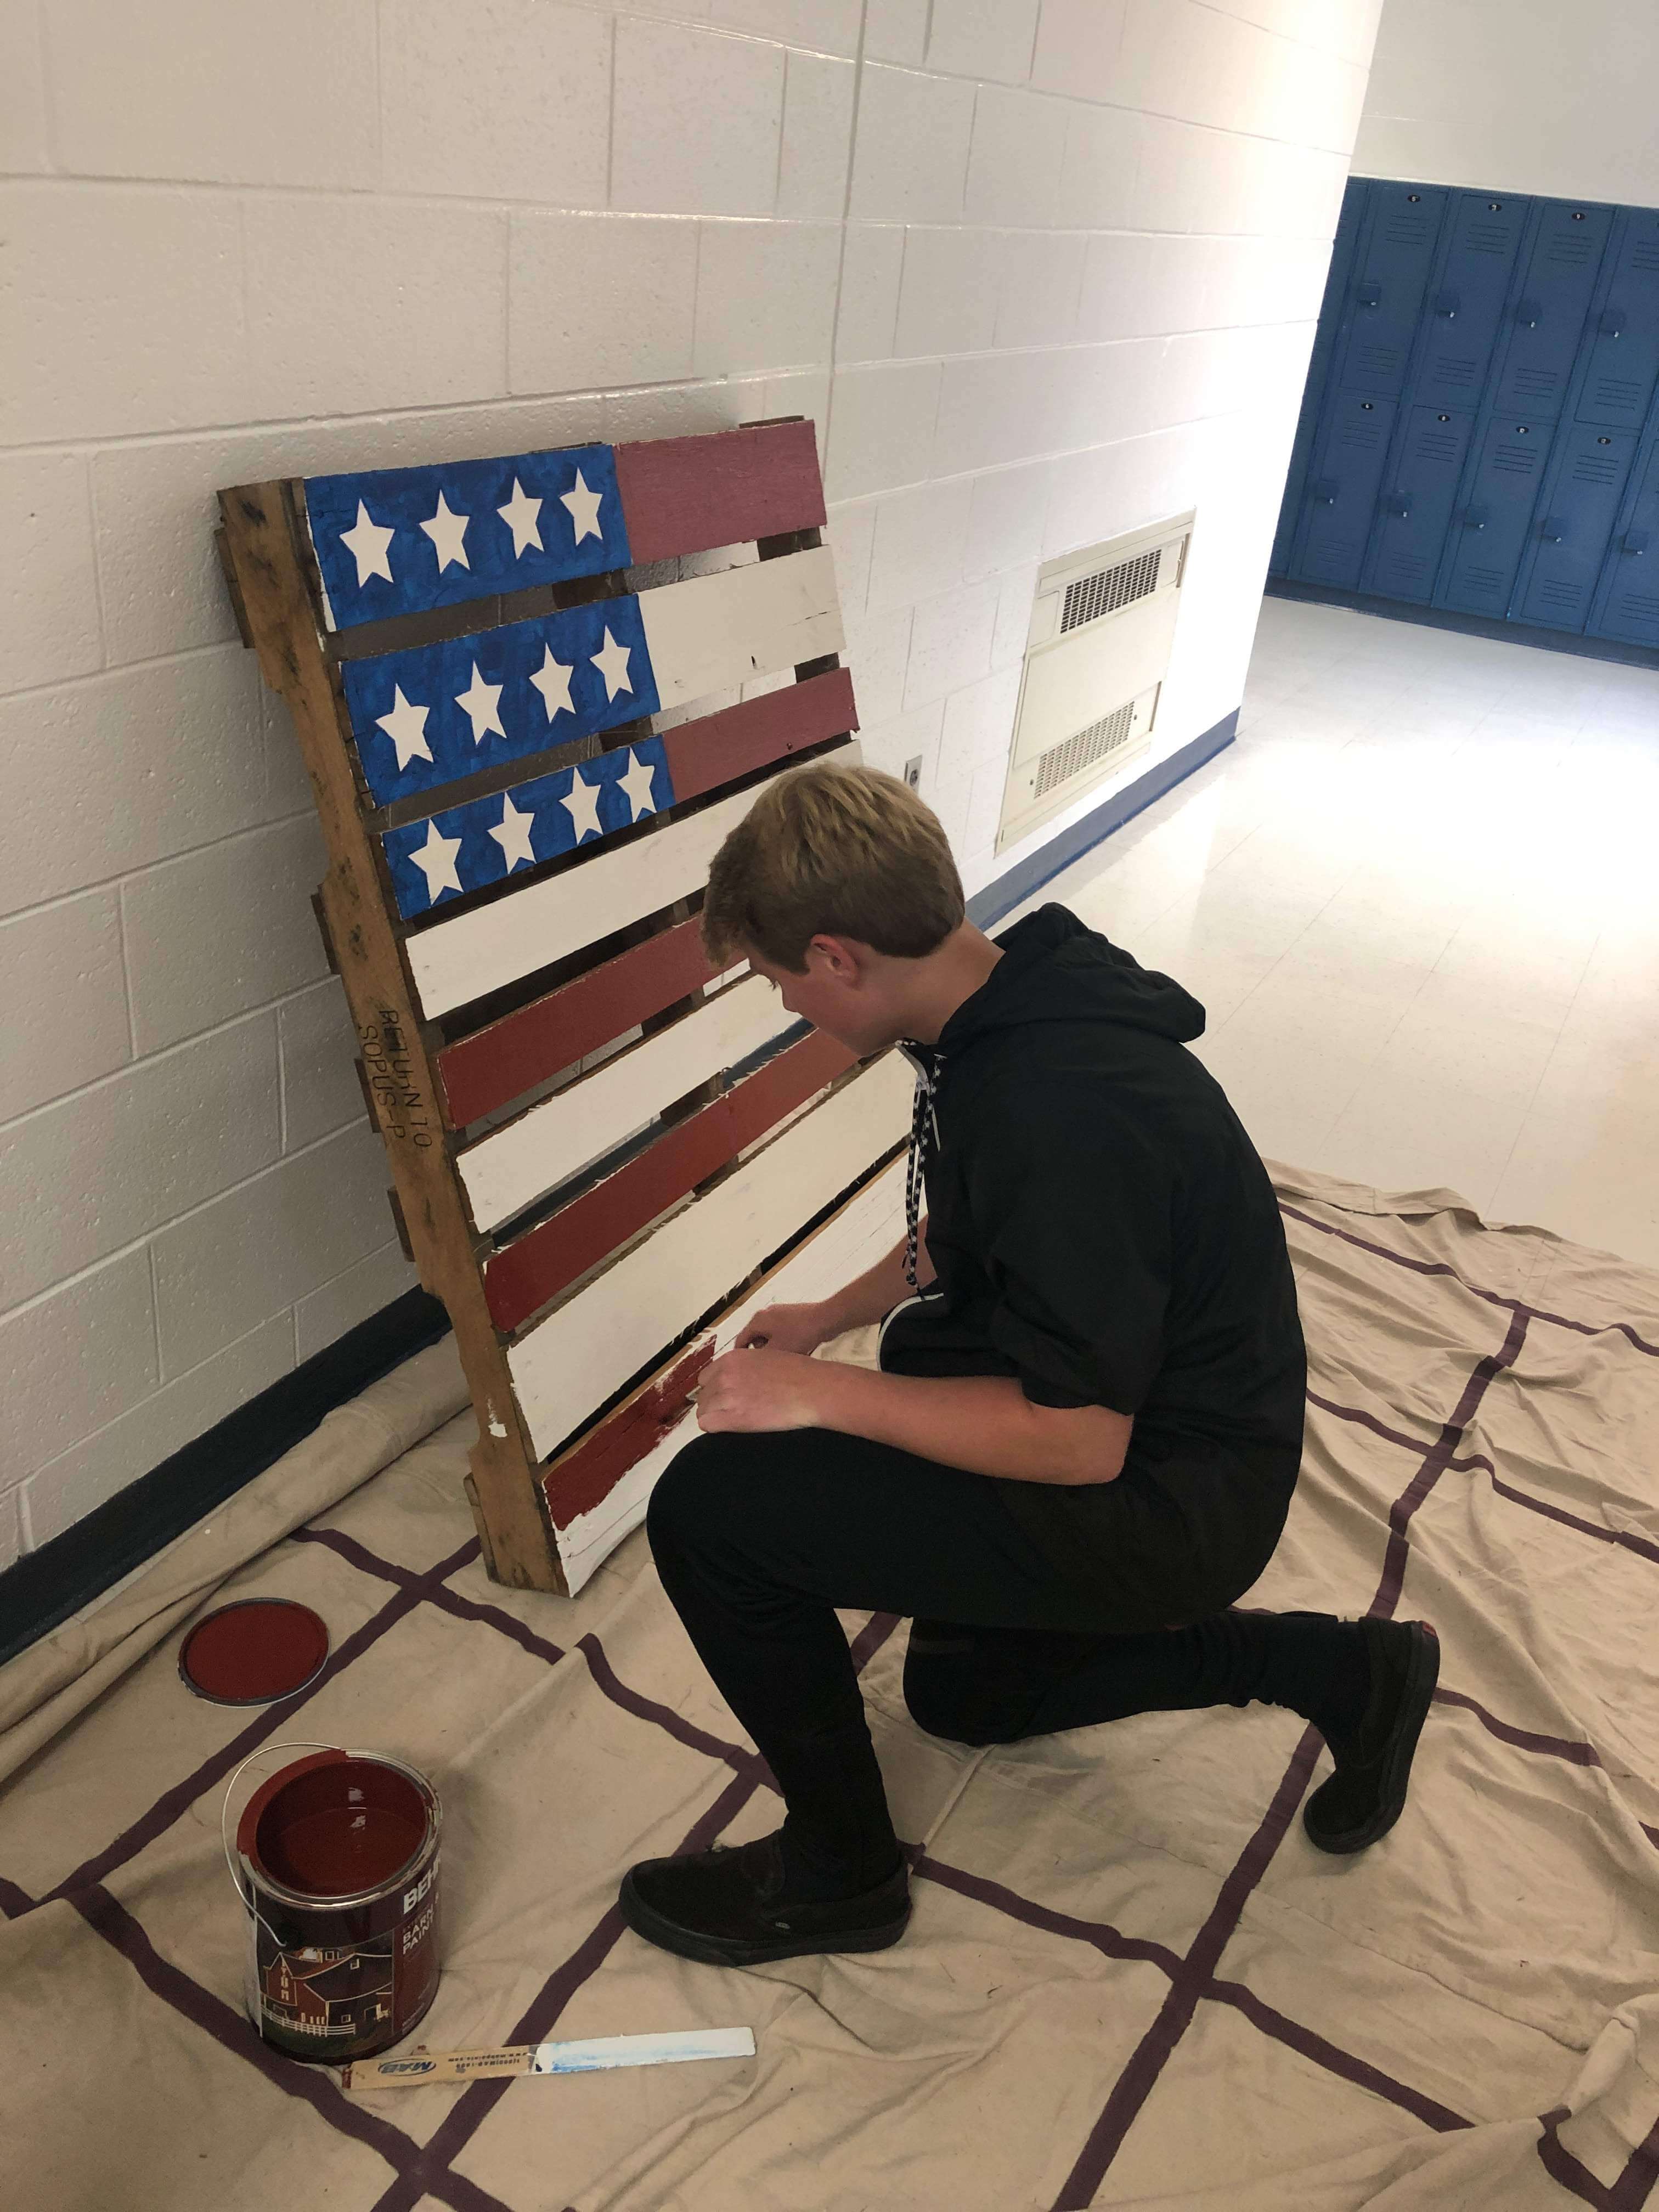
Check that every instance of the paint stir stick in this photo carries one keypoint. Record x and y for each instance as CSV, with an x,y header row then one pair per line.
x,y
599,2051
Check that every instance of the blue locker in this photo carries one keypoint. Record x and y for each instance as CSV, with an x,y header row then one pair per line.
x,y
1421,489
1465,302
1313,392
1623,367
1390,276
1341,493
1582,492
1627,600
1546,315
1489,529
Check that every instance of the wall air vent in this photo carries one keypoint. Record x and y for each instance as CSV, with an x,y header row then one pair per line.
x,y
1096,655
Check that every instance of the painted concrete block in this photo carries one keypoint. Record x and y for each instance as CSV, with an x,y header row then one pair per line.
x,y
766,295
71,1361
817,136
910,163
499,99
599,299
49,625
110,1163
982,38
324,1316
113,772
696,122
136,95
870,278
219,932
882,435
63,987
1016,158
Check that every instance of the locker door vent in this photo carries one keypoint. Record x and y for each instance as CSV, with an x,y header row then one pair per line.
x,y
1107,589
1062,761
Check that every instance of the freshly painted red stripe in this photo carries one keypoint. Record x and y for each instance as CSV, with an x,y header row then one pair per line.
x,y
717,748
525,1048
540,1264
685,494
590,1470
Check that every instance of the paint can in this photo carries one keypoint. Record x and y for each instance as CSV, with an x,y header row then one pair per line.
x,y
336,1867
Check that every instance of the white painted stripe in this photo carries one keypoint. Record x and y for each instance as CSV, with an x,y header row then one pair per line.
x,y
495,944
462,958
504,1170
588,1347
712,631
851,1241
599,2051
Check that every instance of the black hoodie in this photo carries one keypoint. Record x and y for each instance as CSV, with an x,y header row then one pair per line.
x,y
1101,1225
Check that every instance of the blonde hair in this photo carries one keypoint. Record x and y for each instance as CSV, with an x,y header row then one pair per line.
x,y
849,852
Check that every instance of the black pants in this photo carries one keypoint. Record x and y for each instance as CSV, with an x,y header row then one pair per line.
x,y
758,1539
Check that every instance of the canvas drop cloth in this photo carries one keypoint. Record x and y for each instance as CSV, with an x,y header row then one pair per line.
x,y
1130,1979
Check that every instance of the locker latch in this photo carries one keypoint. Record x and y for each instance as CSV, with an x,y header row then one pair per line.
x,y
1476,518
1552,529
1636,541
1529,313
1368,296
1447,304
1324,490
1398,503
1612,325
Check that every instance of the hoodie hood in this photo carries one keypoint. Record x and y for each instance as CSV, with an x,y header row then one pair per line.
x,y
1055,969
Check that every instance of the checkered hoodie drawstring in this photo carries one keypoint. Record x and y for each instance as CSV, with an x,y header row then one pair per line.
x,y
924,1138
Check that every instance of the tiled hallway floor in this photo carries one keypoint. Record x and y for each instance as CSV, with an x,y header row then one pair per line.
x,y
1419,900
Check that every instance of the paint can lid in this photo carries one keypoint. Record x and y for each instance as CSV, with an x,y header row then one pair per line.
x,y
253,1650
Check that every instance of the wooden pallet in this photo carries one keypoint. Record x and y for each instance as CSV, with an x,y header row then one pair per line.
x,y
603,1155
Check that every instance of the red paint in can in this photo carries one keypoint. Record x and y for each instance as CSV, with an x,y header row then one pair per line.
x,y
340,1874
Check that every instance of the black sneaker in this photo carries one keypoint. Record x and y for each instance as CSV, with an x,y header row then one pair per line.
x,y
1367,1793
730,1907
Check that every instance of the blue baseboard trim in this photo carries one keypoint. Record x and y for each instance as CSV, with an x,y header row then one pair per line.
x,y
1006,893
1402,610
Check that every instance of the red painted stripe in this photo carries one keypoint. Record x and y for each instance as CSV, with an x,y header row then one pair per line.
x,y
538,1265
685,494
719,748
590,1470
525,1048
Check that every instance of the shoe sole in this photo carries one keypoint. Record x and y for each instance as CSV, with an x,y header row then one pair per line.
x,y
733,1951
1422,1673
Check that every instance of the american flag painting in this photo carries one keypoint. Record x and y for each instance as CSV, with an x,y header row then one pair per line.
x,y
532,719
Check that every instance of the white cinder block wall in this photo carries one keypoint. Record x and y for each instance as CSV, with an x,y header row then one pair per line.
x,y
1041,271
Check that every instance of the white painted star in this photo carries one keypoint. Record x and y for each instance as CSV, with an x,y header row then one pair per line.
x,y
436,860
638,784
446,530
368,542
520,515
584,806
407,727
512,834
584,507
552,680
482,703
612,661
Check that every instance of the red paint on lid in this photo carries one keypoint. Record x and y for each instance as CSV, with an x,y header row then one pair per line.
x,y
253,1650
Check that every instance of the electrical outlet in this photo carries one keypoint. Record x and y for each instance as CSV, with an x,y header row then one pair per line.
x,y
913,773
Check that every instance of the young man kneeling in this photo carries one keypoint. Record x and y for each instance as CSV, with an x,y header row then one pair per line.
x,y
1083,1443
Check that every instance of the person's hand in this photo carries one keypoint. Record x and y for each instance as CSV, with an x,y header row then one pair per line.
x,y
759,1389
788,1329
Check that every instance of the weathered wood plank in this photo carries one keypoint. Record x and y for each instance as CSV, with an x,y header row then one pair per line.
x,y
712,631
588,1347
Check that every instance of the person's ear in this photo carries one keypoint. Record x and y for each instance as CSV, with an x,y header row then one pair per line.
x,y
837,958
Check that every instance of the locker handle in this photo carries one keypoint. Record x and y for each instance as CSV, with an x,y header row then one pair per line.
x,y
1368,296
1552,529
1476,518
1529,313
1399,503
1447,304
1613,323
1324,489
1636,541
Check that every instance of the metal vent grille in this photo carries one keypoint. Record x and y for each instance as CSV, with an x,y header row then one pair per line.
x,y
1091,597
1064,761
